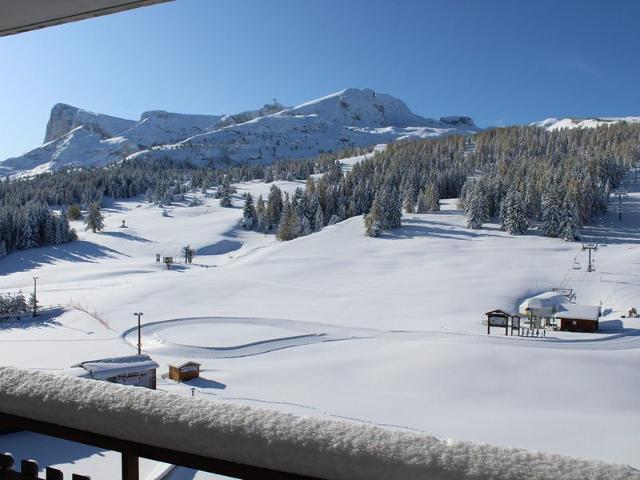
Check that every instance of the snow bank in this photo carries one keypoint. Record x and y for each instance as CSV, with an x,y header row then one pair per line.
x,y
308,446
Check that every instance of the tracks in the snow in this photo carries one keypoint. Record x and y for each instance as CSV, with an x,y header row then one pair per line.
x,y
157,338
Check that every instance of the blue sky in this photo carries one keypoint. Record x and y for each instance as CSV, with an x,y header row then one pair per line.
x,y
500,62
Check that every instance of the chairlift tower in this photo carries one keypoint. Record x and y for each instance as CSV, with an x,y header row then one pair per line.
x,y
590,247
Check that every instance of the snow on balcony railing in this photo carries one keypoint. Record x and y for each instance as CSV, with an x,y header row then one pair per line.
x,y
282,442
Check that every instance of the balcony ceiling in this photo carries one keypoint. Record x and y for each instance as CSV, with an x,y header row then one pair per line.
x,y
17,16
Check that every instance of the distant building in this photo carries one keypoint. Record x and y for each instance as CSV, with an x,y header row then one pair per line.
x,y
184,372
555,309
136,370
578,318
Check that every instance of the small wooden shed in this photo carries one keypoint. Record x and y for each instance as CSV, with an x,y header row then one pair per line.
x,y
184,372
578,318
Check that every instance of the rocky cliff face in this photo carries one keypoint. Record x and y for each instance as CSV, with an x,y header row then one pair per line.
x,y
64,118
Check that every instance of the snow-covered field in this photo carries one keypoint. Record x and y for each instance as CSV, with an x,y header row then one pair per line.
x,y
382,331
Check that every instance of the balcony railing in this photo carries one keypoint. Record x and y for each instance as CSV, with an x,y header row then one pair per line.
x,y
248,443
29,471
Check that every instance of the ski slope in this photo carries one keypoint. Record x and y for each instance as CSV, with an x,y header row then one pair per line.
x,y
384,331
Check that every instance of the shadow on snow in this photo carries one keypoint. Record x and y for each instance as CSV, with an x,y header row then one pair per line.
x,y
76,251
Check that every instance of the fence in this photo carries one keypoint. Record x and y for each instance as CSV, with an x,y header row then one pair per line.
x,y
29,471
95,314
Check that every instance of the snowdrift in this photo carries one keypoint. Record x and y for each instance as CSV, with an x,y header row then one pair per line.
x,y
308,446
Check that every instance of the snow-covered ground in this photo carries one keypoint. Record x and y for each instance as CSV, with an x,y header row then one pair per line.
x,y
570,123
382,331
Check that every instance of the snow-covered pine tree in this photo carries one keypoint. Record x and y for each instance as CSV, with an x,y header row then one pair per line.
x,y
94,220
318,220
373,220
475,208
225,198
19,303
433,197
262,222
409,205
568,224
551,212
33,303
422,205
289,223
27,235
274,206
249,214
514,213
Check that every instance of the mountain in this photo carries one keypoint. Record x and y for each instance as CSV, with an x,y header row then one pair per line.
x,y
558,123
349,118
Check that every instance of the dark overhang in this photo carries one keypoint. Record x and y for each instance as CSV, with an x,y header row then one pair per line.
x,y
17,16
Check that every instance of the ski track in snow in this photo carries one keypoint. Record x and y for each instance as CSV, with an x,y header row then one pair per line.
x,y
313,333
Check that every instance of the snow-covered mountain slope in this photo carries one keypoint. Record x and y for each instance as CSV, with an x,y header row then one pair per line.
x,y
158,127
558,123
81,147
349,118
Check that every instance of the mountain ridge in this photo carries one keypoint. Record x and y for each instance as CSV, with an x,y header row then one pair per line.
x,y
349,118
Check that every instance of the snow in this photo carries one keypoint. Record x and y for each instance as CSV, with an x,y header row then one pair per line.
x,y
381,332
349,118
308,446
559,123
543,303
578,312
110,367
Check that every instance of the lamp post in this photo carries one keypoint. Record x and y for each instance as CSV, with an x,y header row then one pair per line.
x,y
35,297
139,314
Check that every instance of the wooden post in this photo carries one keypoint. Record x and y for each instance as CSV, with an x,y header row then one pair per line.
x,y
130,470
29,469
53,474
6,465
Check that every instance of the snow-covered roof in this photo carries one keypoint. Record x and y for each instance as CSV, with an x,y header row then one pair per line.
x,y
578,312
545,301
316,447
186,364
111,367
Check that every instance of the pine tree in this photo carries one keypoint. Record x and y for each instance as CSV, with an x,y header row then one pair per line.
x,y
409,205
74,211
514,213
318,221
249,214
433,198
568,224
475,211
261,216
3,249
225,198
551,213
33,304
373,221
94,220
289,225
274,207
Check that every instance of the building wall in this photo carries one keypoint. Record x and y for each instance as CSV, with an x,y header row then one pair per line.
x,y
572,325
145,379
